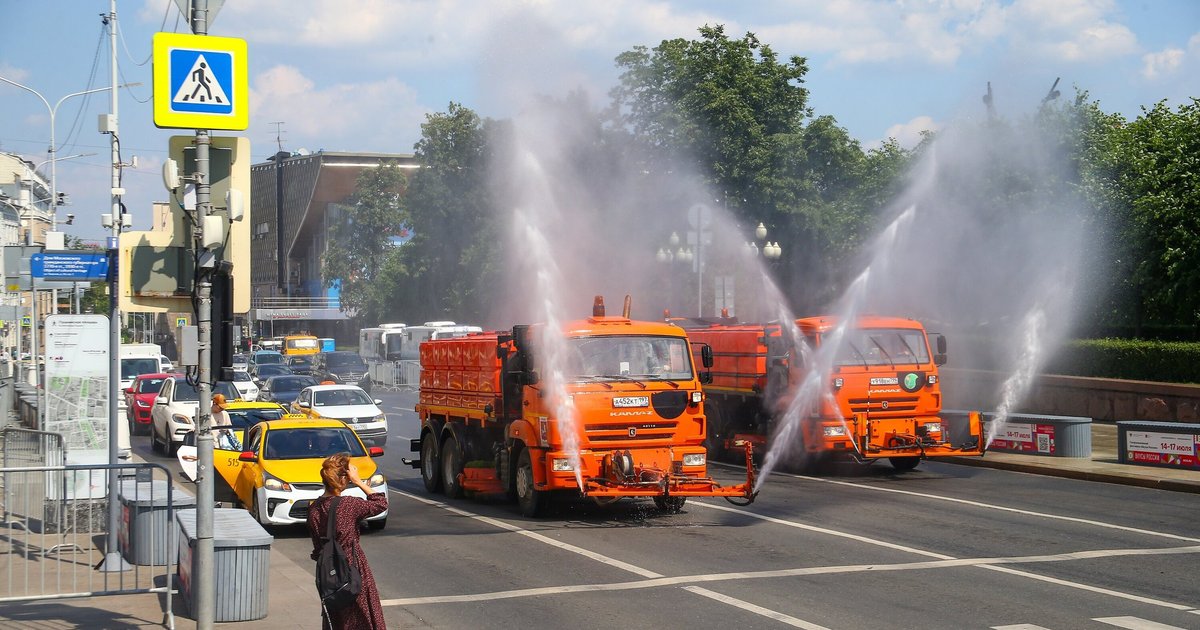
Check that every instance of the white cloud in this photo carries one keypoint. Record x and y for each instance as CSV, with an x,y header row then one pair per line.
x,y
1074,30
907,134
12,72
374,116
1162,63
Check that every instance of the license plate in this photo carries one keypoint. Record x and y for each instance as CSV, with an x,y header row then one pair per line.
x,y
631,401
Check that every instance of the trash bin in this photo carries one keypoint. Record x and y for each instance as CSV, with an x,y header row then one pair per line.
x,y
144,535
241,563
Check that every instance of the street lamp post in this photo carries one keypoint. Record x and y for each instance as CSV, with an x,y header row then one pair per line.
x,y
670,255
770,251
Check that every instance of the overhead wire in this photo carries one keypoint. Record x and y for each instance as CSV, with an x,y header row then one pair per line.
x,y
121,34
76,123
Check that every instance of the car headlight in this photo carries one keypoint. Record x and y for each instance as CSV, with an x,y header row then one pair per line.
x,y
693,459
376,480
142,404
933,427
562,464
380,418
271,483
835,431
180,418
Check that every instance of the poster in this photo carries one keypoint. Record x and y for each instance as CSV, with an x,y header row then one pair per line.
x,y
77,366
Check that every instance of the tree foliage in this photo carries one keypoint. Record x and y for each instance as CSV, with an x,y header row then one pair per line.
x,y
362,237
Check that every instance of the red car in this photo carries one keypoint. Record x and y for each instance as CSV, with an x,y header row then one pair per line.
x,y
139,398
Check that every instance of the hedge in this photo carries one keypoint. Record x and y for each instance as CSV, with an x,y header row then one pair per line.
x,y
1164,361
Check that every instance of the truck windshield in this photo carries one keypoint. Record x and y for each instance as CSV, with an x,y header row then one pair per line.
x,y
622,357
131,368
303,344
883,346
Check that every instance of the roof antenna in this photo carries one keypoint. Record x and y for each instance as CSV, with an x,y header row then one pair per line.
x,y
278,133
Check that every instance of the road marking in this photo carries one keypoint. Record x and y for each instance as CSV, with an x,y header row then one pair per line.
x,y
758,610
1135,623
989,506
1019,626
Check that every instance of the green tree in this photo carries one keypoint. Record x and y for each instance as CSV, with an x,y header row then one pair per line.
x,y
448,269
362,239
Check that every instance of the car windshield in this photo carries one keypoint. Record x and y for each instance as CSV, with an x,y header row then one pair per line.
x,y
292,383
131,368
268,358
185,391
241,377
311,443
150,385
226,389
341,398
348,360
883,346
238,359
273,370
243,418
625,357
301,361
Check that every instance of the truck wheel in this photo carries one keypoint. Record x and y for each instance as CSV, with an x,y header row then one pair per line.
x,y
452,466
431,470
904,464
531,500
714,435
670,505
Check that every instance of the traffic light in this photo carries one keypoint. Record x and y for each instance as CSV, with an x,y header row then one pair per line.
x,y
157,267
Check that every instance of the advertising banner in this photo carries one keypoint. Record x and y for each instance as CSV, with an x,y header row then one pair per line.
x,y
1167,449
1025,438
77,391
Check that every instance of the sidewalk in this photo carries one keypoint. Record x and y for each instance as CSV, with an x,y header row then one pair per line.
x,y
1102,466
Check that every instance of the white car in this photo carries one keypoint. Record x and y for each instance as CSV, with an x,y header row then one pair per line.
x,y
348,403
245,386
167,366
240,362
173,414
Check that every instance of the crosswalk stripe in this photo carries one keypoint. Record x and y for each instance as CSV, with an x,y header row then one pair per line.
x,y
1135,623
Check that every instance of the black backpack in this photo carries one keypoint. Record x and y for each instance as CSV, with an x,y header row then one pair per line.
x,y
338,582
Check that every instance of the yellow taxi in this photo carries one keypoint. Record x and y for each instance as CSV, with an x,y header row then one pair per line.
x,y
277,472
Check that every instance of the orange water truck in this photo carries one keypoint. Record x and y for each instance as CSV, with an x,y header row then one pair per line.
x,y
882,398
490,422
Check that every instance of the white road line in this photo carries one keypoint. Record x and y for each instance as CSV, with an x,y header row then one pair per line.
x,y
1019,626
758,610
989,506
612,562
1134,623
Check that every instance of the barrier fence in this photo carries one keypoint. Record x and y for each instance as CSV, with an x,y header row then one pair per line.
x,y
25,448
55,529
395,375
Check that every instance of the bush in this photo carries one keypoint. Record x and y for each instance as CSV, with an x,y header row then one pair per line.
x,y
1164,361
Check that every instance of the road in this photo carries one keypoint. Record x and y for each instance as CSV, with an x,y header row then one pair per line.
x,y
945,546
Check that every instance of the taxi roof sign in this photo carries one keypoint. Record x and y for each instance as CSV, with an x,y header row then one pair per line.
x,y
200,82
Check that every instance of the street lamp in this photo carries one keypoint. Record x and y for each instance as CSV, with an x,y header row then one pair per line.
x,y
770,251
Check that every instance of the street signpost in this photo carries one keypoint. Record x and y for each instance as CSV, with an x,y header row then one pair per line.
x,y
73,266
200,82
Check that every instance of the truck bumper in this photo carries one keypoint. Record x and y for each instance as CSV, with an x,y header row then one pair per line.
x,y
647,472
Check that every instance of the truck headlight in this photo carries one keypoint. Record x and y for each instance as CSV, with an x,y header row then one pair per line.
x,y
697,396
376,480
693,459
271,483
838,382
933,427
835,431
562,464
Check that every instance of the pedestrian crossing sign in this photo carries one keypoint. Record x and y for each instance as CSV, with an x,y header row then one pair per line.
x,y
200,82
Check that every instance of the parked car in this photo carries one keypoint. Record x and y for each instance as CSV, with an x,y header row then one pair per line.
x,y
277,474
348,403
301,363
167,366
343,368
240,362
173,414
245,386
139,400
285,389
261,373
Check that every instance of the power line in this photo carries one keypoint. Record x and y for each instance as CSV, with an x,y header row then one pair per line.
x,y
121,33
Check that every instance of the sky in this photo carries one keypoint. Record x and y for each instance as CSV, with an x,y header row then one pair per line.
x,y
361,75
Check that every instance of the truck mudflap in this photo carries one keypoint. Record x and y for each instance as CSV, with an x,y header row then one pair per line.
x,y
876,438
622,476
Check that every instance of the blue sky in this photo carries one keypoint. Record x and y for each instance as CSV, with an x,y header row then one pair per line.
x,y
360,75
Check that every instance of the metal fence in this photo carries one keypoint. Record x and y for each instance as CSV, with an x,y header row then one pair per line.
x,y
55,530
25,448
395,375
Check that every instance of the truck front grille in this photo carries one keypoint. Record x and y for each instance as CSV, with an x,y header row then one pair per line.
x,y
625,431
876,405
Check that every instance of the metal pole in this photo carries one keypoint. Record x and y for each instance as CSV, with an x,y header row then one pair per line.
x,y
112,557
205,578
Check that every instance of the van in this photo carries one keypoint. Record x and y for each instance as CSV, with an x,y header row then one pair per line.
x,y
300,344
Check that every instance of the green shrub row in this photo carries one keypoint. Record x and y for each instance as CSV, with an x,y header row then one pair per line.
x,y
1164,361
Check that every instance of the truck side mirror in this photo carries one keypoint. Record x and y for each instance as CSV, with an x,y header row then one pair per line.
x,y
530,377
706,356
940,357
706,377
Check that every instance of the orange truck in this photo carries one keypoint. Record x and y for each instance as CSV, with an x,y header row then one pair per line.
x,y
883,398
490,424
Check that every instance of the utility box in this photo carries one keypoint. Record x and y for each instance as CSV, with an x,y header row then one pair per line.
x,y
241,564
144,533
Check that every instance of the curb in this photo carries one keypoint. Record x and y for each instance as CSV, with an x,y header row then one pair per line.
x,y
1172,485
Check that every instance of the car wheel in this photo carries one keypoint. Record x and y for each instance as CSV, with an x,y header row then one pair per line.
x,y
431,470
170,446
452,467
154,437
531,500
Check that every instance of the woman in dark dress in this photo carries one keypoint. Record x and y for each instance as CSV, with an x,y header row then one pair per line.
x,y
338,473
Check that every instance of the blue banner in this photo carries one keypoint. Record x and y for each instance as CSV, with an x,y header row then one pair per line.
x,y
69,265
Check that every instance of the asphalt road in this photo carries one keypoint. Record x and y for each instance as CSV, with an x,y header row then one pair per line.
x,y
944,546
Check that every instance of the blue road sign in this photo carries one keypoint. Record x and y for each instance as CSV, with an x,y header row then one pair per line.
x,y
69,266
201,81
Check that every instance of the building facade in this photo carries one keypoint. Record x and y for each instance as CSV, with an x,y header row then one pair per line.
x,y
294,199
